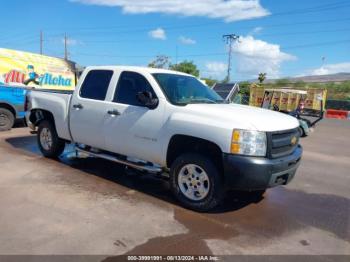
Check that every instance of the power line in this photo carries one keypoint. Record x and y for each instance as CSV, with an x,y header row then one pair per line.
x,y
218,53
320,8
30,60
331,6
174,28
317,44
249,27
314,9
307,32
26,38
301,23
136,41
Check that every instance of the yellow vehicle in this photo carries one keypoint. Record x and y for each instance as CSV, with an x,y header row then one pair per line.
x,y
297,103
287,99
283,100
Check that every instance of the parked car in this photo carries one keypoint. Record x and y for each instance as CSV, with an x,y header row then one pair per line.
x,y
169,123
11,105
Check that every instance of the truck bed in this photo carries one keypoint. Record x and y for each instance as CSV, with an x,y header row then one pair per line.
x,y
53,101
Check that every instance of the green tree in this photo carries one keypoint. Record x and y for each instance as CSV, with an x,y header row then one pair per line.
x,y
187,67
210,82
262,77
282,82
244,88
161,61
299,84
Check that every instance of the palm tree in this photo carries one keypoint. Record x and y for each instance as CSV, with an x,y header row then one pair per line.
x,y
262,77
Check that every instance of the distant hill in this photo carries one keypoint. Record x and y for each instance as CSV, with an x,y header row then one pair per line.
x,y
340,77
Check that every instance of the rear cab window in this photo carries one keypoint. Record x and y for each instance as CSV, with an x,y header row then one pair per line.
x,y
95,85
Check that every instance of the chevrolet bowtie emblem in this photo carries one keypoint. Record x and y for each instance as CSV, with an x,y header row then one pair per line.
x,y
294,140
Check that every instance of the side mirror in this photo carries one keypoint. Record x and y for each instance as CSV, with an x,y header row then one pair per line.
x,y
147,100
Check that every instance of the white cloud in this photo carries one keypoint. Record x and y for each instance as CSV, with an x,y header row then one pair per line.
x,y
158,33
228,10
256,30
187,41
216,69
255,56
332,69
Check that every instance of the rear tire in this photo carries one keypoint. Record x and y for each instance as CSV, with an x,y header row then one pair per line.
x,y
7,119
50,145
196,182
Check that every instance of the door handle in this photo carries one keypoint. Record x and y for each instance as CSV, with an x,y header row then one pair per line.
x,y
113,112
78,106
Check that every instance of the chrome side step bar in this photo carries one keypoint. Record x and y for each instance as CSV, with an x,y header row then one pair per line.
x,y
148,168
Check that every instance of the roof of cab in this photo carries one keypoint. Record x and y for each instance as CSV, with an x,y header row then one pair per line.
x,y
138,69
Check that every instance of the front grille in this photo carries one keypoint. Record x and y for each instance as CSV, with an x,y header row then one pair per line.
x,y
280,142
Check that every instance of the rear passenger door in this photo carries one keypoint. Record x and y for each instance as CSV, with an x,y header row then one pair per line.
x,y
88,108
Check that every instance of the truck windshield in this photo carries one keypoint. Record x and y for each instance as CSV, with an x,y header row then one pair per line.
x,y
183,90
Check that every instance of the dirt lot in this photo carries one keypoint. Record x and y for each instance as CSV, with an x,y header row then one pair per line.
x,y
91,206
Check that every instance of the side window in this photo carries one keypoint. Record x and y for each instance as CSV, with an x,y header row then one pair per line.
x,y
95,85
129,85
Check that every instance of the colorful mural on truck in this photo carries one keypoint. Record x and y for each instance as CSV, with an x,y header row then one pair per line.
x,y
19,68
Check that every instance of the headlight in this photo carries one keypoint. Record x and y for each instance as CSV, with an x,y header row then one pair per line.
x,y
250,143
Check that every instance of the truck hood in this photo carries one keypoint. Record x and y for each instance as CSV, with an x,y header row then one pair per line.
x,y
240,116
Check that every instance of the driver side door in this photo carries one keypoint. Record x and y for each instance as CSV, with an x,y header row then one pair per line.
x,y
133,130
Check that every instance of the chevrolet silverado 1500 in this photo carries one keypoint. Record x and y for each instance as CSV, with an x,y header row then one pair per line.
x,y
167,122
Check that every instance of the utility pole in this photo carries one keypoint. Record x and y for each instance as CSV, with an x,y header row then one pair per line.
x,y
41,42
65,47
229,41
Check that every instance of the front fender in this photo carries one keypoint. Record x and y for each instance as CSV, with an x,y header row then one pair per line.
x,y
199,127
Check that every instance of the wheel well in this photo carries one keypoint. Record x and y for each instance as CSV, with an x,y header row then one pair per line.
x,y
38,115
8,107
180,144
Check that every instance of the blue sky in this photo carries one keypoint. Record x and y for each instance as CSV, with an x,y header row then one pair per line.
x,y
282,38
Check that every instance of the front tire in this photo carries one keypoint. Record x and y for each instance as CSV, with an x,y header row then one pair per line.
x,y
50,145
7,119
302,132
196,182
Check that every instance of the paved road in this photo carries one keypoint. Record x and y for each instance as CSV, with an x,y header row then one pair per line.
x,y
91,206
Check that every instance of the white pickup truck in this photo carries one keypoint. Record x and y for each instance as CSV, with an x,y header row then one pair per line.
x,y
167,122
